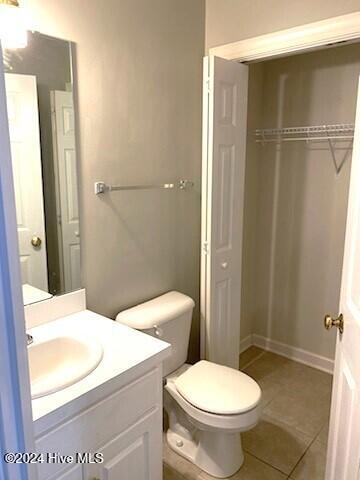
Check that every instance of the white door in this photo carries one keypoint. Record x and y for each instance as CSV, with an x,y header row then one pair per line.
x,y
343,460
23,114
67,194
17,427
224,149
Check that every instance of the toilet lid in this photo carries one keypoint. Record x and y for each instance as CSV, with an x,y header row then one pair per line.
x,y
218,389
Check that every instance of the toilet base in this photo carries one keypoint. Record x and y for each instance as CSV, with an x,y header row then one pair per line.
x,y
216,453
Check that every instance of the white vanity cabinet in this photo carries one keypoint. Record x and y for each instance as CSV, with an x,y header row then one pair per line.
x,y
116,410
125,427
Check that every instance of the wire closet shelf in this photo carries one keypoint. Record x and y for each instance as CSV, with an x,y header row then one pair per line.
x,y
341,131
338,137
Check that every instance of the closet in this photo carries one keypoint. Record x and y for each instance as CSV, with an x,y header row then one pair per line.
x,y
277,148
301,114
280,237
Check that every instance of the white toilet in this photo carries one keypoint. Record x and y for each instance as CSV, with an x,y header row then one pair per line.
x,y
208,404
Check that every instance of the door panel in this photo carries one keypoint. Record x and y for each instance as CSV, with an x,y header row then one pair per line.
x,y
21,93
343,461
222,210
67,191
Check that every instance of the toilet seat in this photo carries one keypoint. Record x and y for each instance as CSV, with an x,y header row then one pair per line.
x,y
207,420
218,389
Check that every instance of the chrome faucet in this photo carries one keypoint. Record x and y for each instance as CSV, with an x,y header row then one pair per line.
x,y
29,339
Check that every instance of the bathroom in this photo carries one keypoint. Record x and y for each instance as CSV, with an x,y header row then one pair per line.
x,y
136,73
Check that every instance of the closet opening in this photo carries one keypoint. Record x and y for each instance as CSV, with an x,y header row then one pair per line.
x,y
300,126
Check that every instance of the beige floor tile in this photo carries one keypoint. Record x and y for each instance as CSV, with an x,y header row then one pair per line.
x,y
269,390
268,367
289,373
249,355
264,371
324,433
182,466
252,469
299,377
276,444
312,465
304,410
170,474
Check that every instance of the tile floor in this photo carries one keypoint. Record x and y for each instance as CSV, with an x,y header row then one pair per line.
x,y
290,440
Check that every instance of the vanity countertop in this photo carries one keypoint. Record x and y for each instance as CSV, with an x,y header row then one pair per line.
x,y
127,354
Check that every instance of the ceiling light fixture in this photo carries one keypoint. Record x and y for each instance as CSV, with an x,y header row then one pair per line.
x,y
13,33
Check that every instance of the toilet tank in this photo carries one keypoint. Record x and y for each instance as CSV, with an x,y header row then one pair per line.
x,y
167,317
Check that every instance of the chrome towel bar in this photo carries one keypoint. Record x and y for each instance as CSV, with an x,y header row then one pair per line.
x,y
102,187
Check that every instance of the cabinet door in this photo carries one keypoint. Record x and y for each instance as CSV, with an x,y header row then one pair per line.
x,y
75,473
135,454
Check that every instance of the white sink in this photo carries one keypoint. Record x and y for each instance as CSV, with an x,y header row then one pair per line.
x,y
59,362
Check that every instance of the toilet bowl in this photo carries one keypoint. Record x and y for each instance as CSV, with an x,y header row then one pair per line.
x,y
208,405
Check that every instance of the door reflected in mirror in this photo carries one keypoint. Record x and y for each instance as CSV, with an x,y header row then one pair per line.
x,y
39,90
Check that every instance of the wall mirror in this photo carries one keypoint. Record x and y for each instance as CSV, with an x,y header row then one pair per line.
x,y
39,90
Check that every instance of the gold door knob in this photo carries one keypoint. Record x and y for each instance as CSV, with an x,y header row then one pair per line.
x,y
36,241
334,322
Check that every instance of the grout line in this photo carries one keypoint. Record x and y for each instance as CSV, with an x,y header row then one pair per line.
x,y
266,463
250,362
303,455
307,448
177,473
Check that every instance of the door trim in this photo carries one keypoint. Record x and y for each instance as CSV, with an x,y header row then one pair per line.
x,y
311,36
204,206
17,433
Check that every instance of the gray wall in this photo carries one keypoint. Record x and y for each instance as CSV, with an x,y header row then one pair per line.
x,y
232,20
139,68
300,204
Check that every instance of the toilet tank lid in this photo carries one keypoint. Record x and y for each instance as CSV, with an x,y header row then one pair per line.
x,y
157,311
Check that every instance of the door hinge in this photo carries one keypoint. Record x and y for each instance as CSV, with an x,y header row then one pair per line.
x,y
206,248
207,83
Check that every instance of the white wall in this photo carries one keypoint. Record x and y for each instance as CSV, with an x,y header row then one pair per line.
x,y
301,203
139,71
248,291
231,20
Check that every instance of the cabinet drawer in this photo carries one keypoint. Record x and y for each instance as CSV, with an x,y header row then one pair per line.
x,y
135,454
101,422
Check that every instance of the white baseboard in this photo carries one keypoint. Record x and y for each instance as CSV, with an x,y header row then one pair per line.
x,y
298,354
245,343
